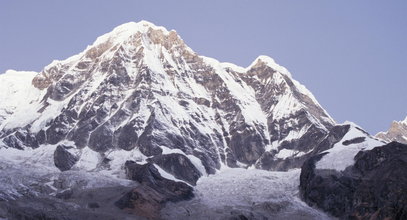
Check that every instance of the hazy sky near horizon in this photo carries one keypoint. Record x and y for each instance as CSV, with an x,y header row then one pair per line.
x,y
352,55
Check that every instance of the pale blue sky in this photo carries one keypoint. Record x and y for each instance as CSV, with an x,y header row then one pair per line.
x,y
351,54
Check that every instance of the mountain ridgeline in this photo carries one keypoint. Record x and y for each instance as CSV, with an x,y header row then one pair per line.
x,y
138,118
140,88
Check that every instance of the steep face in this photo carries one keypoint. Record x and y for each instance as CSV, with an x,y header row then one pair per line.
x,y
296,122
372,187
141,90
397,132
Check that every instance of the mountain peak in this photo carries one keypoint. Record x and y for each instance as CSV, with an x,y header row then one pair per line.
x,y
397,132
124,31
270,62
154,74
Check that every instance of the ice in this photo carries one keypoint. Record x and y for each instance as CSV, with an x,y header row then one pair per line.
x,y
243,187
239,190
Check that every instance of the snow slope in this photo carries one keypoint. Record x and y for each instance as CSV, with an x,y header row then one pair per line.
x,y
256,194
341,155
144,77
17,94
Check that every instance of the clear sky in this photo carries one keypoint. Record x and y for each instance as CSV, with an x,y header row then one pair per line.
x,y
351,54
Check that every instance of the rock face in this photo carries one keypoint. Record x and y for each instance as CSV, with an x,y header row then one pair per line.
x,y
65,157
149,198
141,89
397,132
179,166
148,175
373,188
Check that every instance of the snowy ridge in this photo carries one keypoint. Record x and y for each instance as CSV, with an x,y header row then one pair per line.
x,y
341,155
123,32
140,88
397,132
140,94
271,63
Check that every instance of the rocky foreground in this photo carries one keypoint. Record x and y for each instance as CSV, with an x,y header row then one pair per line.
x,y
375,187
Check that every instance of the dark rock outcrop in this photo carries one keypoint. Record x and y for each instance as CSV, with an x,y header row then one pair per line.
x,y
397,132
63,159
127,137
13,142
178,165
101,139
147,174
149,198
375,187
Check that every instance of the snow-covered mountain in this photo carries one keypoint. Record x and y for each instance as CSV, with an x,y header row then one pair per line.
x,y
141,89
397,132
140,104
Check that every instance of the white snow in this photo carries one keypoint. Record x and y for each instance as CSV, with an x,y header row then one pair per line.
x,y
89,160
27,172
117,159
17,96
293,135
285,153
239,186
233,67
123,32
341,156
51,112
286,106
242,189
42,156
168,176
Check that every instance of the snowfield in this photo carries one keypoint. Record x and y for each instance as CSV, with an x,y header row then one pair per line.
x,y
230,192
341,155
258,194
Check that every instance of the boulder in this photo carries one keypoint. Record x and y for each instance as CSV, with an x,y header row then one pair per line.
x,y
65,157
147,174
179,166
154,191
101,139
